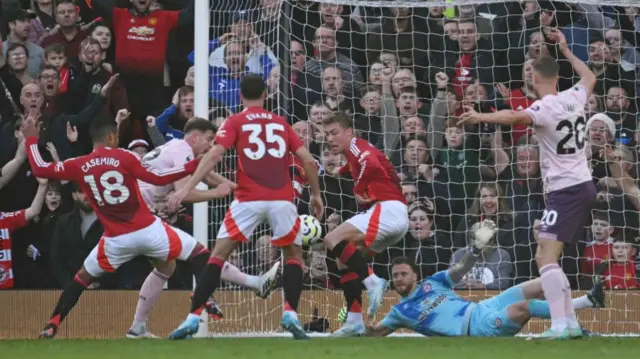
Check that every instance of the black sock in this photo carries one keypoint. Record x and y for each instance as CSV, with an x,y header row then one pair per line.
x,y
352,288
292,277
67,301
208,281
199,262
349,256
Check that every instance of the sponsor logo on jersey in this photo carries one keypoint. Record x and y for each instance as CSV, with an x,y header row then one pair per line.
x,y
498,323
426,287
59,167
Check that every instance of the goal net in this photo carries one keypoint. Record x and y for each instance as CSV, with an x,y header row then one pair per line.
x,y
404,71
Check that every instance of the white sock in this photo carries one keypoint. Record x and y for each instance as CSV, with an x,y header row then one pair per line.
x,y
137,327
291,312
582,302
371,281
354,318
231,273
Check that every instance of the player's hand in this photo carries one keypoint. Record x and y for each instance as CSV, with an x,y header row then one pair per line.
x,y
32,252
469,117
316,206
362,199
174,200
484,234
223,190
557,36
104,91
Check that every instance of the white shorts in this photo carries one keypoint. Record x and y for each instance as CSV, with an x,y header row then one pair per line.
x,y
383,225
242,218
158,241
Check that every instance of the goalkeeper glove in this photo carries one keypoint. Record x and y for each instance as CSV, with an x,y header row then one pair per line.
x,y
484,234
342,315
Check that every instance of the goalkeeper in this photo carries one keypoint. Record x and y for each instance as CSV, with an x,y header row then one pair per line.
x,y
431,307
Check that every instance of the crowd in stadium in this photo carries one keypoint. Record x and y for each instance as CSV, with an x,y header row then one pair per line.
x,y
402,74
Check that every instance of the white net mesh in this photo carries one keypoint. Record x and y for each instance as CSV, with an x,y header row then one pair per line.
x,y
404,70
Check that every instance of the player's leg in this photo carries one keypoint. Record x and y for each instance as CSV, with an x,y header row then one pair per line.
x,y
149,294
343,242
352,290
285,224
103,258
239,222
567,212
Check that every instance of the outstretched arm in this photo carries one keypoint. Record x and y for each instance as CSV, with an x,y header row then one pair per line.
x,y
484,234
158,177
207,164
43,169
11,168
378,331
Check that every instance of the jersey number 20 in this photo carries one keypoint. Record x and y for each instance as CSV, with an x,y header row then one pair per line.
x,y
271,137
111,181
574,129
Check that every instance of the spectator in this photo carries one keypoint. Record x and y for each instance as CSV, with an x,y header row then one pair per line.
x,y
69,34
350,39
19,26
619,108
101,32
334,94
608,74
369,124
10,222
55,55
18,55
600,248
621,271
434,248
326,55
76,233
43,23
172,121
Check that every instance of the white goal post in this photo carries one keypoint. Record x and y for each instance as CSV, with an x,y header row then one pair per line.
x,y
251,316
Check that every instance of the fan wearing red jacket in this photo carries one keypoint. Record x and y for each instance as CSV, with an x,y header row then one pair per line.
x,y
263,141
108,176
384,222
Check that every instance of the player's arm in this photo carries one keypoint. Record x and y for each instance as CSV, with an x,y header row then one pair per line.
x,y
483,237
41,168
214,179
196,196
370,168
310,169
502,118
206,165
154,176
587,77
378,331
341,171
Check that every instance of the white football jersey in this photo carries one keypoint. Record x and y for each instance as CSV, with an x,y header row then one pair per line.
x,y
172,154
560,125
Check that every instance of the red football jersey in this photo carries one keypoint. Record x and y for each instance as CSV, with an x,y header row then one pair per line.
x,y
372,172
262,141
621,276
9,222
109,178
594,254
298,176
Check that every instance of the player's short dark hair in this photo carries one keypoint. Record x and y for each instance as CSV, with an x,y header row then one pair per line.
x,y
403,260
546,66
340,118
199,124
252,86
101,127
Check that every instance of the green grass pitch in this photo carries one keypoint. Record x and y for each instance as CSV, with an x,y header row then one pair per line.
x,y
351,348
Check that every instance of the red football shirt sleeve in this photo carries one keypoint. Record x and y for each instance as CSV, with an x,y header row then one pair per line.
x,y
51,170
370,168
14,220
156,177
226,135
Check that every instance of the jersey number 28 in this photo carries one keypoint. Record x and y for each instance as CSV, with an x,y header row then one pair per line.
x,y
576,130
271,137
111,182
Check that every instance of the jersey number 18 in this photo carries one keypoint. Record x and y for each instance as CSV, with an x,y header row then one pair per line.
x,y
575,131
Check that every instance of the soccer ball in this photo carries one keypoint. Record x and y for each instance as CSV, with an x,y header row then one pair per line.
x,y
311,230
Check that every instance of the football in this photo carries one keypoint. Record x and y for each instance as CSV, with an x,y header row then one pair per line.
x,y
311,230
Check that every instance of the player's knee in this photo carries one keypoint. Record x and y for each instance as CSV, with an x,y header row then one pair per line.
x,y
223,248
165,268
83,277
519,313
292,252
